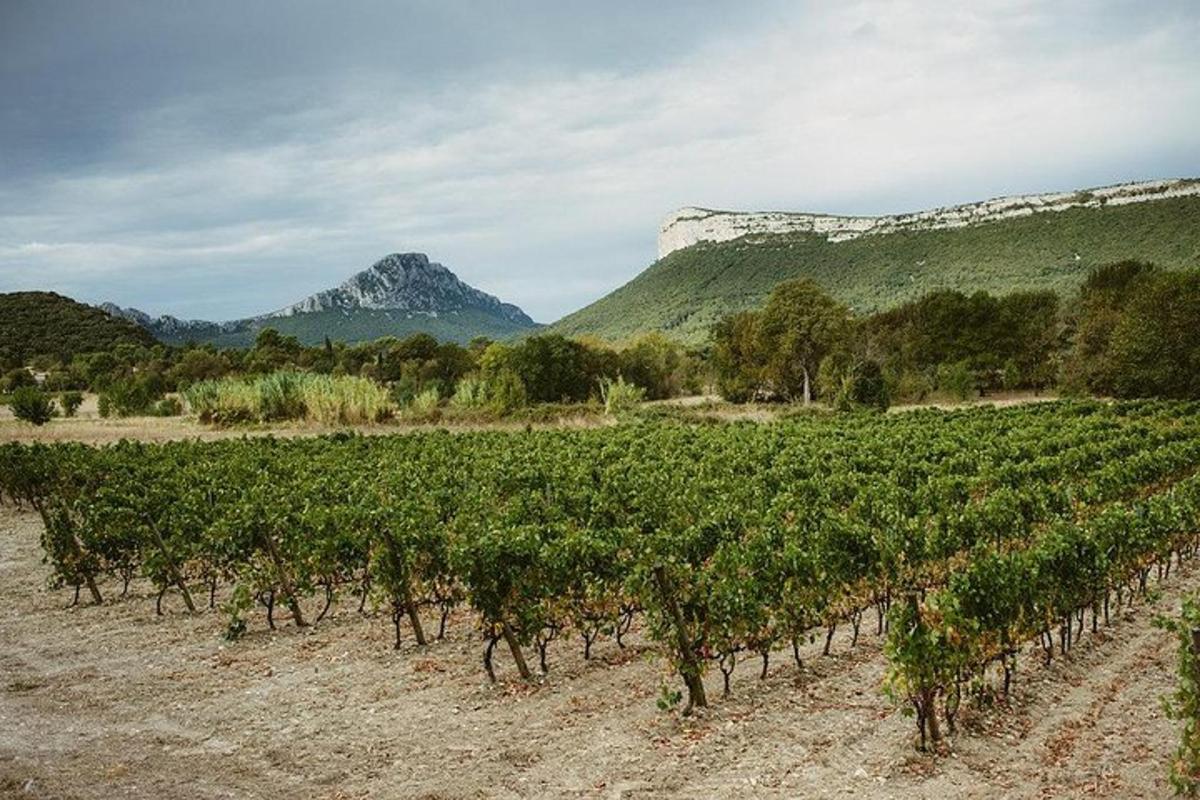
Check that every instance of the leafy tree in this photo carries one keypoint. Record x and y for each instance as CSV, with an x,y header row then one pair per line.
x,y
657,364
957,380
553,368
1154,349
1102,300
863,387
32,405
70,402
800,325
16,379
199,364
99,369
129,397
506,391
273,351
738,361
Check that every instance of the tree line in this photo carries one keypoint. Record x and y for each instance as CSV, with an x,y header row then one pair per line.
x,y
1133,331
547,368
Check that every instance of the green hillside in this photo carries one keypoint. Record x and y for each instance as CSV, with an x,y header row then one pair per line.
x,y
362,325
684,293
48,324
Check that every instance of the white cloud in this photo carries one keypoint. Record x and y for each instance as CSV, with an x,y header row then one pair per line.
x,y
547,190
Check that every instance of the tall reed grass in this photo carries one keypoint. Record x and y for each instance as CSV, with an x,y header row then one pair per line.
x,y
290,396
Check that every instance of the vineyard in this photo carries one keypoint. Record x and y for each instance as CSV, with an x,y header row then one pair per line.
x,y
961,537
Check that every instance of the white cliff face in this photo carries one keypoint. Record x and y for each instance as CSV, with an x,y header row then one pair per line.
x,y
689,226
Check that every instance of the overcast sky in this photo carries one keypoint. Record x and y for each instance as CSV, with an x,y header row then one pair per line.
x,y
221,159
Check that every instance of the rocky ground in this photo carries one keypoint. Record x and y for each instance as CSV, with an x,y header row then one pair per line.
x,y
113,701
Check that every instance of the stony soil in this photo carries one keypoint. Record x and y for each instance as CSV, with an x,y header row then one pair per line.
x,y
112,701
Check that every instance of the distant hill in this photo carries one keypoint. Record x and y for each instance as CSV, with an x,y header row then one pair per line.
x,y
47,324
713,263
401,294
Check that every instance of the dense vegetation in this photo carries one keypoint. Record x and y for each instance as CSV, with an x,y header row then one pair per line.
x,y
45,324
969,533
344,400
489,377
1134,331
690,290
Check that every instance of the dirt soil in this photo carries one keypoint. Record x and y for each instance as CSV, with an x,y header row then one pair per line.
x,y
113,701
98,431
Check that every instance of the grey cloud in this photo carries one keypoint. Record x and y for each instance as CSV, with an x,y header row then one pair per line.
x,y
214,160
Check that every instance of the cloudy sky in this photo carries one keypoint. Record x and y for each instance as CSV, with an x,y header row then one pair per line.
x,y
220,159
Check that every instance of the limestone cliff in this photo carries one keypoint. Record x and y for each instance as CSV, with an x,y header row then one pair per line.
x,y
689,226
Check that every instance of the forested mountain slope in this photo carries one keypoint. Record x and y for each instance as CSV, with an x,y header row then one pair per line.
x,y
689,289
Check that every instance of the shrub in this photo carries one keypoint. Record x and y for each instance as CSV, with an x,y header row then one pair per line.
x,y
425,404
16,379
863,387
70,402
168,407
912,387
957,380
30,404
506,392
281,395
128,397
203,398
620,397
471,392
290,395
1011,377
59,381
344,401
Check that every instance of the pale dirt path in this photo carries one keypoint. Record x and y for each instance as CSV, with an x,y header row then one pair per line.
x,y
98,431
115,702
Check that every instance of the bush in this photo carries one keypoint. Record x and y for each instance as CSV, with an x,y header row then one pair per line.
x,y
16,379
128,397
345,401
471,392
425,404
203,398
281,396
506,392
620,397
957,380
31,405
60,381
290,395
863,387
1011,377
168,407
911,387
70,402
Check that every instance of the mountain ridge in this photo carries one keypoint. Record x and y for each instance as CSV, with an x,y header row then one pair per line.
x,y
1025,247
693,224
399,294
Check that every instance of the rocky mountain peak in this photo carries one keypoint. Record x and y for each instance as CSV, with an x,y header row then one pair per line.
x,y
407,282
